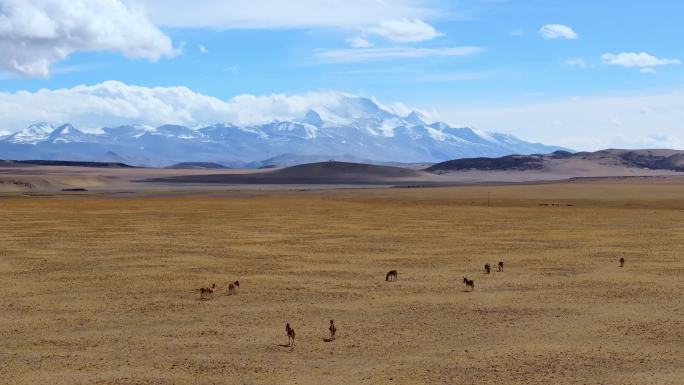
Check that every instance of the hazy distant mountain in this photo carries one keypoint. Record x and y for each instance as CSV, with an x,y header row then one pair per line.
x,y
356,126
286,160
198,165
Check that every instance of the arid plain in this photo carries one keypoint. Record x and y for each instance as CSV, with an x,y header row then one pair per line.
x,y
104,290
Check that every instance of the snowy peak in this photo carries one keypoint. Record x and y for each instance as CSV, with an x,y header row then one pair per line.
x,y
68,134
32,134
352,125
176,131
128,131
291,129
313,118
358,108
416,119
349,110
66,129
41,126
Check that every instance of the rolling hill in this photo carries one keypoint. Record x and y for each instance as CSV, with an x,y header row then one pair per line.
x,y
313,173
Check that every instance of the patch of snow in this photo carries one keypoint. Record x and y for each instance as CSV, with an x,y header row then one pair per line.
x,y
389,125
485,135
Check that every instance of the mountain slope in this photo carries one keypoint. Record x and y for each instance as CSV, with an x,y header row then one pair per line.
x,y
32,134
354,126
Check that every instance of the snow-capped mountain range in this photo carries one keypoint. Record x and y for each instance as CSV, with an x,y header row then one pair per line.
x,y
355,127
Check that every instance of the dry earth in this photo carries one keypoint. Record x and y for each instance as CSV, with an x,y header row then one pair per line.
x,y
104,291
19,178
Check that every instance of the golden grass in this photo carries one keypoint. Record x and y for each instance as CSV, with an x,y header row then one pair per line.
x,y
104,291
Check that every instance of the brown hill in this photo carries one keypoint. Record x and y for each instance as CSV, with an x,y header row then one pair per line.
x,y
670,160
313,173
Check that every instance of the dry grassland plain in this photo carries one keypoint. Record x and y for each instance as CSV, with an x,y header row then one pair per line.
x,y
105,290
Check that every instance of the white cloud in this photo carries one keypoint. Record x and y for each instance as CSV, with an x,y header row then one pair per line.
x,y
584,123
578,62
639,60
203,49
557,31
34,34
114,103
358,42
648,71
231,14
405,30
615,121
368,54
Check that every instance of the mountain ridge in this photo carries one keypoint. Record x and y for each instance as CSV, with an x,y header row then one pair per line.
x,y
355,126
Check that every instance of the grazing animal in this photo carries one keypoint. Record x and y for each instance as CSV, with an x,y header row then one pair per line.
x,y
469,283
500,266
232,287
290,335
333,330
487,269
205,292
391,276
622,262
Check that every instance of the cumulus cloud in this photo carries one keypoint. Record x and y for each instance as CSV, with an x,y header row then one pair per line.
x,y
368,54
557,31
114,103
405,30
34,34
639,60
358,42
203,49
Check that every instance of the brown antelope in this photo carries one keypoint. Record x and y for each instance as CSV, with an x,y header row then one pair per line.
x,y
487,269
500,266
391,276
290,335
622,262
469,283
333,330
206,292
232,287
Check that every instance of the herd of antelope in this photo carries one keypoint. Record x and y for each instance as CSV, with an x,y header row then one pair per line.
x,y
208,292
469,283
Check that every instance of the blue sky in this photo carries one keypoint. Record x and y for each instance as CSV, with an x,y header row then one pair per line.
x,y
580,73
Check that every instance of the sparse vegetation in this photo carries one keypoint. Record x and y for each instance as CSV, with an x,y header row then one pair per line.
x,y
105,291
